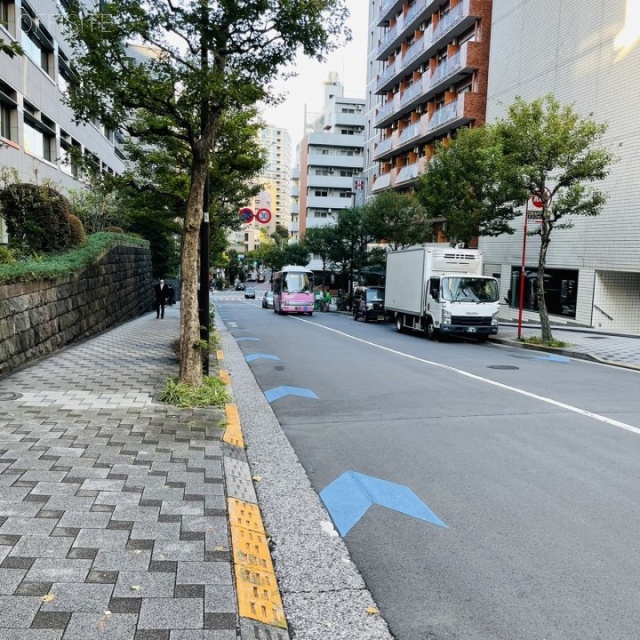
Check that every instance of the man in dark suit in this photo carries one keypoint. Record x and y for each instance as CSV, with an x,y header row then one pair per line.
x,y
162,292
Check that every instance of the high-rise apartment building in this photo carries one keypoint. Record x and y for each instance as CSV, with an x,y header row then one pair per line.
x,y
590,58
427,77
329,157
37,132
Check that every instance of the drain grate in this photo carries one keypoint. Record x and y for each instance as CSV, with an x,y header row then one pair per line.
x,y
596,337
9,395
502,366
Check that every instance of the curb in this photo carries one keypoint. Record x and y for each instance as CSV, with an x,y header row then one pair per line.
x,y
259,602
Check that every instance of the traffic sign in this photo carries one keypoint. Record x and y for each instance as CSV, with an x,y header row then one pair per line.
x,y
536,202
246,214
263,215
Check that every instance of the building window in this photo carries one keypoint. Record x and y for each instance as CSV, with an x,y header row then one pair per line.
x,y
36,41
39,134
8,16
560,290
65,74
8,113
320,194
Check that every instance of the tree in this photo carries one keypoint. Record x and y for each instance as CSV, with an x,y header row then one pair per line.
x,y
321,240
397,218
556,152
296,253
188,65
469,183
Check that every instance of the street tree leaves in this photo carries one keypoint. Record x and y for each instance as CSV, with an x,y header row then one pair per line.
x,y
469,184
173,70
557,153
399,219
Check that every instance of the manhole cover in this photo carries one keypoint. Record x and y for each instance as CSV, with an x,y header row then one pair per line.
x,y
502,366
8,395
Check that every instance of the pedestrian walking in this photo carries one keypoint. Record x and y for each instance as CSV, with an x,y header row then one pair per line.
x,y
162,293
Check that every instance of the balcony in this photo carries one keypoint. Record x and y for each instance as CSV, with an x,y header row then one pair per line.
x,y
328,202
335,161
456,22
408,173
389,41
385,111
385,79
381,182
388,8
382,147
409,133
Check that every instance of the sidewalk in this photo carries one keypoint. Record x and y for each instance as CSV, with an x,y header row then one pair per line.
x,y
585,344
113,515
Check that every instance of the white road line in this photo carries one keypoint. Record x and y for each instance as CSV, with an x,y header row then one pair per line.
x,y
473,376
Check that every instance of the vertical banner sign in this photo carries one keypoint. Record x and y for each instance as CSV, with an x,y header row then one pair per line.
x,y
358,191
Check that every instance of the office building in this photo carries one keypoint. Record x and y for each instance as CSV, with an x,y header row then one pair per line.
x,y
37,132
587,55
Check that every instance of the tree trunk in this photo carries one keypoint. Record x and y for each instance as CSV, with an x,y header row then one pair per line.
x,y
190,353
542,260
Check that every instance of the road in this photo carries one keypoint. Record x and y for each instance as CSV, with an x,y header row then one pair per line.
x,y
529,461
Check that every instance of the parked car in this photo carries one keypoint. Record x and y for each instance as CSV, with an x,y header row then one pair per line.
x,y
240,286
250,292
267,300
368,302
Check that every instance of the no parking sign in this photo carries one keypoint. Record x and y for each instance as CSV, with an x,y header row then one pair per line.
x,y
246,214
263,215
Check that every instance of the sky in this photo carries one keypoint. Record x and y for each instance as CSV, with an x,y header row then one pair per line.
x,y
349,62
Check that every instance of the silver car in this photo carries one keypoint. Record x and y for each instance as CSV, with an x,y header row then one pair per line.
x,y
267,300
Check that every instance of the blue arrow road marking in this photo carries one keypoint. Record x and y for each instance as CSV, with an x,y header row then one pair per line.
x,y
552,357
279,392
257,356
246,338
349,497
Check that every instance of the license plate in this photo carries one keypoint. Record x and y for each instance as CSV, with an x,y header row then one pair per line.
x,y
380,318
471,330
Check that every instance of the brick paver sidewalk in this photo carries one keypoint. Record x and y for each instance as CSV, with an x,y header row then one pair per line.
x,y
113,518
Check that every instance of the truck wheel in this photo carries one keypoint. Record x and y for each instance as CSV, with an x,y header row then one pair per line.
x,y
430,330
399,325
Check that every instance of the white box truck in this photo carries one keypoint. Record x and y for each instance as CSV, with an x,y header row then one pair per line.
x,y
441,290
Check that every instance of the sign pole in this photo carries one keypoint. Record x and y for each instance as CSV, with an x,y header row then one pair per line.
x,y
524,257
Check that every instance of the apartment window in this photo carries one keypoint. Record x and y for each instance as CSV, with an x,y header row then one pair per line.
x,y
39,134
70,152
36,41
8,16
8,113
320,194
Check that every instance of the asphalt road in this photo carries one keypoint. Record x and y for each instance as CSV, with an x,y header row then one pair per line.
x,y
530,461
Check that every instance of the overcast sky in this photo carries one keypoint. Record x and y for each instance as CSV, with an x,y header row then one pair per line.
x,y
307,88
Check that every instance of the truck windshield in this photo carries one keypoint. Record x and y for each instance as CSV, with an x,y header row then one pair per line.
x,y
469,290
296,283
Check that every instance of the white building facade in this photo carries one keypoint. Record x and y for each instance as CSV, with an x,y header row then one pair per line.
x,y
588,55
329,158
37,131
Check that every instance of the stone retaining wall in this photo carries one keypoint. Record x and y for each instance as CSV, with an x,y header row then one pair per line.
x,y
37,318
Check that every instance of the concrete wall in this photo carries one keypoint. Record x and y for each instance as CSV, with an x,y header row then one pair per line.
x,y
37,318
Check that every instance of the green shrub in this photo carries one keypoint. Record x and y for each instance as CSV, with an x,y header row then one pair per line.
x,y
78,236
7,256
36,217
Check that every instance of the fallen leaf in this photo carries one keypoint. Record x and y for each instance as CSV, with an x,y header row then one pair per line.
x,y
218,548
135,587
257,478
137,551
50,597
372,611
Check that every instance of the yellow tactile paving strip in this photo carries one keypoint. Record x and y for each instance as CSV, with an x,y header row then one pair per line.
x,y
233,432
258,594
